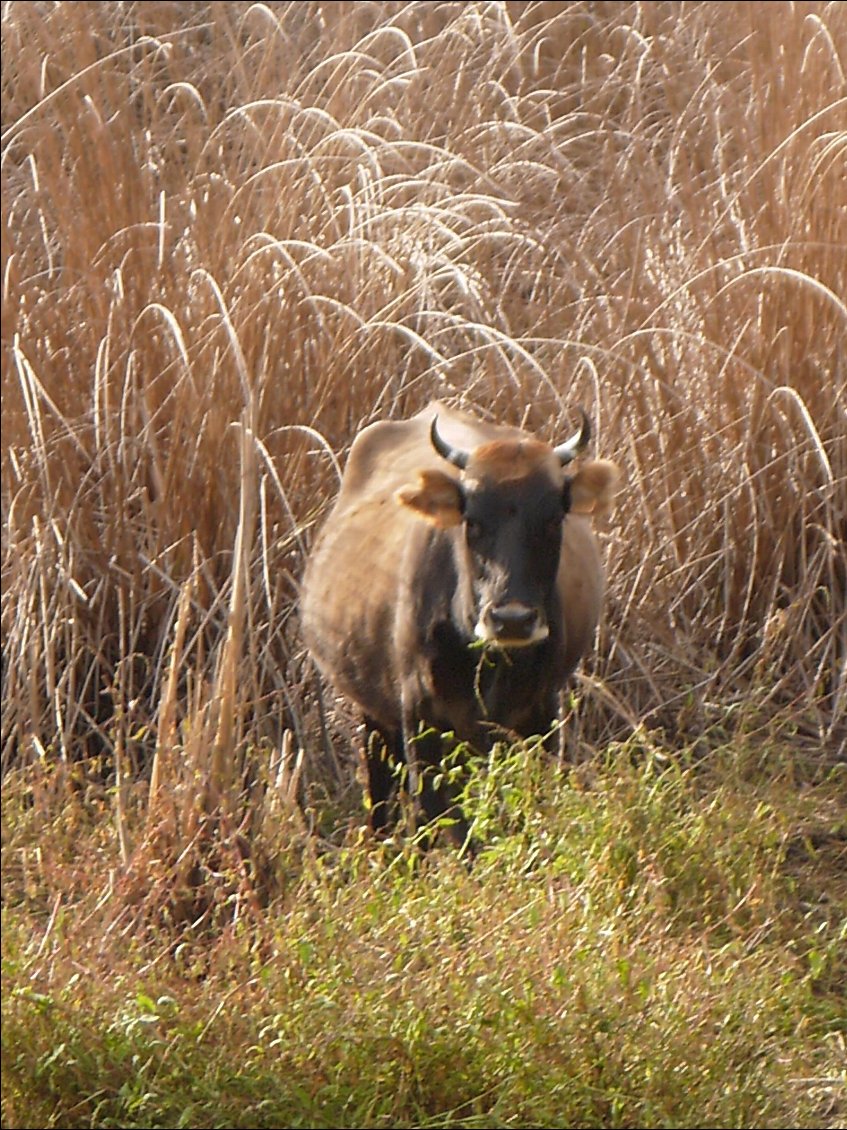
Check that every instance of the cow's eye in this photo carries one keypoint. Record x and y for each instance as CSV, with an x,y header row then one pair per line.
x,y
473,530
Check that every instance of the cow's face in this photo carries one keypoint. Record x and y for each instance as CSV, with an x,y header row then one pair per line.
x,y
510,502
512,531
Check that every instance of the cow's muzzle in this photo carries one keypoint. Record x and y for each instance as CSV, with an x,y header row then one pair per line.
x,y
511,625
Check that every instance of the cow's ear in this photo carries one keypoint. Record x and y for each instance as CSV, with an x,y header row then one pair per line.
x,y
437,498
592,488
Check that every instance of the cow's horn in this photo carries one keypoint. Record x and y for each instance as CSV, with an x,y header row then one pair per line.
x,y
453,455
579,440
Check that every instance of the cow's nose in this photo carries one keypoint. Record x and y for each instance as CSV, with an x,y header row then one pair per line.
x,y
513,622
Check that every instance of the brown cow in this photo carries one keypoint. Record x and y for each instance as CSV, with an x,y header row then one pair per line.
x,y
454,588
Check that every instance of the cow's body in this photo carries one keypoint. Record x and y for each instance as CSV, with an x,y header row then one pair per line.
x,y
434,600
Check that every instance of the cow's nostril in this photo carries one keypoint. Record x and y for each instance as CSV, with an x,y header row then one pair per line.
x,y
513,621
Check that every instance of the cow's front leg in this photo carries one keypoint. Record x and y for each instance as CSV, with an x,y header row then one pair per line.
x,y
433,793
382,753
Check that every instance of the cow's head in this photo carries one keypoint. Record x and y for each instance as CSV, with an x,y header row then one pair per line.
x,y
511,499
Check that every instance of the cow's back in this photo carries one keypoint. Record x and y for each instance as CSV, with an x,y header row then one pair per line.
x,y
389,454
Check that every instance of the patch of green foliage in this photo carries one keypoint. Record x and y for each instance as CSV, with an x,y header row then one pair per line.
x,y
640,943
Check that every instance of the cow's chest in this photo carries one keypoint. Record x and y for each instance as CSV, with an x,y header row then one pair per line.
x,y
476,686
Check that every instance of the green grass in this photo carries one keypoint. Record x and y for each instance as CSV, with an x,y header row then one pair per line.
x,y
641,944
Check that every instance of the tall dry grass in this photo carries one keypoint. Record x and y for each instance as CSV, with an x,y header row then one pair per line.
x,y
234,233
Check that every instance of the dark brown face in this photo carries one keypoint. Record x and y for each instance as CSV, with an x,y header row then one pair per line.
x,y
506,509
513,534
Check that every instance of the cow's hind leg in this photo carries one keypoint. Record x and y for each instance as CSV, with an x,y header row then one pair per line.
x,y
383,750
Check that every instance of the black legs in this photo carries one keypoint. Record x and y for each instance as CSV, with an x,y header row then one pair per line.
x,y
428,783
